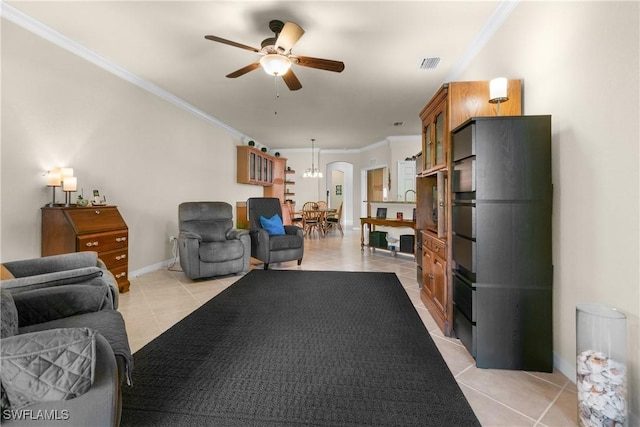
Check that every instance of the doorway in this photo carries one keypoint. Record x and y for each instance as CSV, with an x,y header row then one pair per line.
x,y
375,184
340,189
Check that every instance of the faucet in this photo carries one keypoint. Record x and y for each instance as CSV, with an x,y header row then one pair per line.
x,y
405,194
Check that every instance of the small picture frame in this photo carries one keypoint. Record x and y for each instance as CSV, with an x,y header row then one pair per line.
x,y
399,215
339,190
381,213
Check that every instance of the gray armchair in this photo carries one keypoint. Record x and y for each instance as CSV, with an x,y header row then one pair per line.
x,y
208,244
64,347
270,248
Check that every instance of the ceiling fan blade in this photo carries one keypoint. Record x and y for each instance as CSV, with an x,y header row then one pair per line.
x,y
231,43
290,34
244,70
321,64
291,80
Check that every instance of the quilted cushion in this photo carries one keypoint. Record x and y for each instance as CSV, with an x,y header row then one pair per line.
x,y
66,277
9,314
59,302
52,365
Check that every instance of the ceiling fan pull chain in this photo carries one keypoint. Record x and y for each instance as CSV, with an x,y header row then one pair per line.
x,y
275,100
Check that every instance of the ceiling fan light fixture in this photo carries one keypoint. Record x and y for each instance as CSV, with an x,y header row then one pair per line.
x,y
274,64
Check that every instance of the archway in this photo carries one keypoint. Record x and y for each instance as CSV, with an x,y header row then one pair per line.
x,y
340,180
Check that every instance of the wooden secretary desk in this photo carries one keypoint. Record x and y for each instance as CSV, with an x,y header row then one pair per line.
x,y
101,229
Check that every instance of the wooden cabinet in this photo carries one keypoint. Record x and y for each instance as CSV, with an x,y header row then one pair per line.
x,y
434,293
254,166
434,147
259,168
96,228
449,107
454,103
276,189
501,241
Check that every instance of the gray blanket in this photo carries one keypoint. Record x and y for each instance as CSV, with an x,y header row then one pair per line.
x,y
109,323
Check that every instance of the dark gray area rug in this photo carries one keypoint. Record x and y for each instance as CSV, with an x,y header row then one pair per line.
x,y
296,348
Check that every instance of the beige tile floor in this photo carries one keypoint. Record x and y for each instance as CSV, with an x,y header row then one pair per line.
x,y
159,299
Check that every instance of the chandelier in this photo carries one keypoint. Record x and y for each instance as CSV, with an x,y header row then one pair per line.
x,y
312,172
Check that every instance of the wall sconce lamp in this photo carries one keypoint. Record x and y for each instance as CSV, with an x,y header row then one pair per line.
x,y
498,91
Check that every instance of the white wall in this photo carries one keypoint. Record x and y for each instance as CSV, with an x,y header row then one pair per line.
x,y
579,62
143,153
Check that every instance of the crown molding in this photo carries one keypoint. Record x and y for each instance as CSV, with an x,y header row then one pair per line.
x,y
387,141
36,27
497,18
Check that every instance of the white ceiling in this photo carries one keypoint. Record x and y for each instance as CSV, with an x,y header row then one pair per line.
x,y
381,43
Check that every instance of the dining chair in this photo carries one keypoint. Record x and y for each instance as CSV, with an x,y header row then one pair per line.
x,y
296,219
312,218
323,207
334,220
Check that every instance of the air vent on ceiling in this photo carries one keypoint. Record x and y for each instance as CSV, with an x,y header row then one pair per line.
x,y
429,63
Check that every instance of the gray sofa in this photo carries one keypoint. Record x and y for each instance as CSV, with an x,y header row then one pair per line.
x,y
64,347
208,243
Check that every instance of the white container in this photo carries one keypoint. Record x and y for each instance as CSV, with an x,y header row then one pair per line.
x,y
601,348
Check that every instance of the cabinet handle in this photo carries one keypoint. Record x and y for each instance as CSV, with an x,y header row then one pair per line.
x,y
97,212
119,257
89,244
118,276
431,276
121,239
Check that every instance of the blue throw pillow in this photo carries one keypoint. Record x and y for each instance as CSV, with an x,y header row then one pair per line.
x,y
273,225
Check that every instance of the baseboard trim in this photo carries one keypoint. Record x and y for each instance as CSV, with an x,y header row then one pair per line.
x,y
152,268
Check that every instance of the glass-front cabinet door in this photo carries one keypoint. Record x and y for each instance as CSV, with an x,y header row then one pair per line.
x,y
252,166
428,147
439,139
434,136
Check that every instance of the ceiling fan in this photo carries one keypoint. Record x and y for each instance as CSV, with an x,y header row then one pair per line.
x,y
276,54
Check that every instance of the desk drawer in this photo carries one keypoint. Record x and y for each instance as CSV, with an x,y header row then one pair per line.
x,y
101,242
115,257
121,274
439,248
